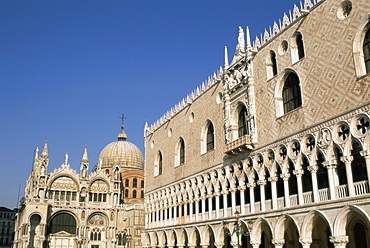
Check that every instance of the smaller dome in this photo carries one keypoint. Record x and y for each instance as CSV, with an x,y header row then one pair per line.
x,y
122,153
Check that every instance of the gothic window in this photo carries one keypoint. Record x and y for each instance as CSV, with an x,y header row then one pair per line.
x,y
182,151
63,222
134,183
366,48
300,47
158,166
291,94
210,138
297,47
242,122
271,65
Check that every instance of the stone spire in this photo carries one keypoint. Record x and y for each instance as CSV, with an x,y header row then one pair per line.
x,y
84,166
45,152
226,57
248,38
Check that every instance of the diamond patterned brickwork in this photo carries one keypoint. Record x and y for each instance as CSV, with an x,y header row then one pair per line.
x,y
327,74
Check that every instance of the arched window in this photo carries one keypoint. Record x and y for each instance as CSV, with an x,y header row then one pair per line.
x,y
95,234
158,164
63,222
271,65
242,122
142,184
127,182
134,183
300,47
134,194
297,47
291,94
126,193
182,151
210,138
366,48
142,194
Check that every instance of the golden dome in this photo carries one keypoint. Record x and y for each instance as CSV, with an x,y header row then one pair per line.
x,y
122,153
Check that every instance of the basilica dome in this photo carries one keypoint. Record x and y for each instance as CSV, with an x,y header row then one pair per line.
x,y
121,153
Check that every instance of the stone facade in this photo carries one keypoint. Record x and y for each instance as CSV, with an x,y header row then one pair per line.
x,y
280,135
69,209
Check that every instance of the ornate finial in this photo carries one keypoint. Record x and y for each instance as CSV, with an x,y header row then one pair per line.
x,y
122,135
85,158
44,153
241,41
37,152
66,159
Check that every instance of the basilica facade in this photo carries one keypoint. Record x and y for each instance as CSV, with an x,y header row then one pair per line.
x,y
272,150
67,209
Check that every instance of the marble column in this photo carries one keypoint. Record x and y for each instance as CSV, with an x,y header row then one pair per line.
x,y
315,188
286,177
366,155
203,199
217,195
242,199
262,184
233,200
348,162
273,181
298,174
224,198
251,195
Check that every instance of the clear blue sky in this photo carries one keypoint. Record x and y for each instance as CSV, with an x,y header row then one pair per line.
x,y
69,69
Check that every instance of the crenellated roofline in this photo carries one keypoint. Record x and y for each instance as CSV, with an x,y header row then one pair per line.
x,y
259,42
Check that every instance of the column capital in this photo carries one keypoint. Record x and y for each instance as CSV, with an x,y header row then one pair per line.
x,y
339,240
224,192
298,173
305,241
251,185
346,159
278,242
242,187
365,154
285,176
232,190
261,182
313,168
255,243
273,179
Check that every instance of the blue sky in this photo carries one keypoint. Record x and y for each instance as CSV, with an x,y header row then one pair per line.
x,y
69,69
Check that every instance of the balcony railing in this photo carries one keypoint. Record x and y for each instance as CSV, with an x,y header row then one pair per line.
x,y
239,145
360,188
